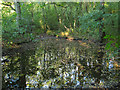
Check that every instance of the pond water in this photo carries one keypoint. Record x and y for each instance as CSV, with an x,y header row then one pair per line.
x,y
58,63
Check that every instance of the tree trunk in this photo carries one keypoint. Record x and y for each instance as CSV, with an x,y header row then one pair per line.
x,y
56,12
45,26
70,17
86,7
18,18
79,14
32,14
101,33
22,77
57,16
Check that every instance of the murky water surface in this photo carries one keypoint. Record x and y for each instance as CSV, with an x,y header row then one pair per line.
x,y
57,63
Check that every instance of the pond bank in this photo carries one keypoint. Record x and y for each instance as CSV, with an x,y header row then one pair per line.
x,y
30,44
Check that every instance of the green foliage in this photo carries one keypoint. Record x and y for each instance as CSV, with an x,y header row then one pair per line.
x,y
83,20
89,24
112,46
51,17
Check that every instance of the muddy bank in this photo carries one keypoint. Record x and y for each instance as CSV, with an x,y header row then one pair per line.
x,y
31,44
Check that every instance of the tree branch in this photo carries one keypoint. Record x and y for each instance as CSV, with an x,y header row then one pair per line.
x,y
9,6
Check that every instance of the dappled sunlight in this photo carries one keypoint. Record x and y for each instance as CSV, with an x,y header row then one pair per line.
x,y
116,65
60,21
49,31
66,34
106,5
41,23
62,33
69,38
10,45
60,45
84,44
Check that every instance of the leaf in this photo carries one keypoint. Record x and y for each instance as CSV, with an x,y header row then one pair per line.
x,y
107,36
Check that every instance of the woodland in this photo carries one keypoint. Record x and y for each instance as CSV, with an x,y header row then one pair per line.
x,y
23,22
91,22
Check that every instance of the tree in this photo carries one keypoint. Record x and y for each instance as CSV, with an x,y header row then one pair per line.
x,y
18,18
101,33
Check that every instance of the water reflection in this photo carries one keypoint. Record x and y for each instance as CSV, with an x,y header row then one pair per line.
x,y
58,64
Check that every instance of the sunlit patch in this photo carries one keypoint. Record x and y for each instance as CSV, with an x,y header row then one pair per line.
x,y
60,20
62,34
42,26
46,3
84,44
40,21
80,41
70,38
106,4
72,30
56,36
116,65
66,33
49,32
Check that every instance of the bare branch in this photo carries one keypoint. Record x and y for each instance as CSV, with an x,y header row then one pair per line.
x,y
9,6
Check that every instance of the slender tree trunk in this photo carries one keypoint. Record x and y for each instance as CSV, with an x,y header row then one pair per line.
x,y
79,14
70,16
63,17
76,18
44,59
18,18
56,12
86,7
101,33
57,16
32,21
80,4
45,25
22,77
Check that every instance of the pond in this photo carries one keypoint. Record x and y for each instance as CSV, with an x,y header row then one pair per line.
x,y
58,63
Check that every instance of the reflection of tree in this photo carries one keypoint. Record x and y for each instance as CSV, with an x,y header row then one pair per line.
x,y
61,65
20,65
27,66
59,57
59,60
